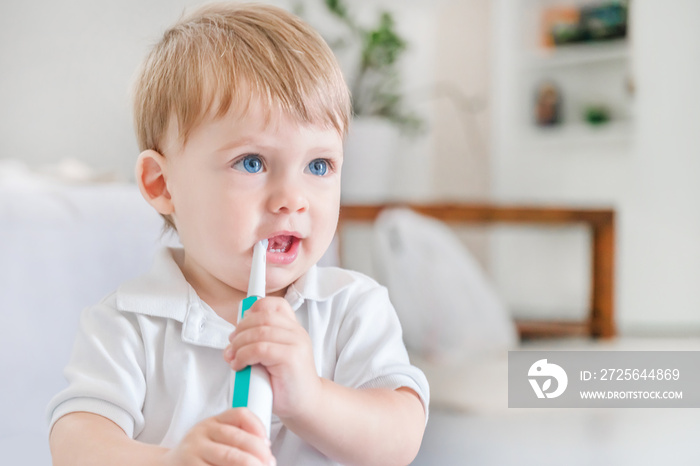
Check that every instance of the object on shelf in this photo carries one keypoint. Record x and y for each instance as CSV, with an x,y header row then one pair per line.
x,y
569,25
548,100
561,22
596,114
605,22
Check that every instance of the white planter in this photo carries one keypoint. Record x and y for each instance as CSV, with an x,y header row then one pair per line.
x,y
369,161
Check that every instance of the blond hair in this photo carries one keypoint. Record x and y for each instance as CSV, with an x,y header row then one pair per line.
x,y
225,55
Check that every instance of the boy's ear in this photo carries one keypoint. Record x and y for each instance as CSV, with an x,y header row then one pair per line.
x,y
151,178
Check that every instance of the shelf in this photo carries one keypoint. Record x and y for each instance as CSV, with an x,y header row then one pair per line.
x,y
578,55
582,133
582,74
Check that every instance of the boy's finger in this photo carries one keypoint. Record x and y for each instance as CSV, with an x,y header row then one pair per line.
x,y
266,353
245,419
264,318
261,334
273,304
220,454
230,441
228,353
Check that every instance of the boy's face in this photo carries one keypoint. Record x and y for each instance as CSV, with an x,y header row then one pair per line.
x,y
239,180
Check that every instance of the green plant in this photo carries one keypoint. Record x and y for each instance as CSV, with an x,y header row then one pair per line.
x,y
596,114
376,83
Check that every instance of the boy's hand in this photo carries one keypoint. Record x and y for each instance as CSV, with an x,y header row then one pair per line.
x,y
270,335
234,437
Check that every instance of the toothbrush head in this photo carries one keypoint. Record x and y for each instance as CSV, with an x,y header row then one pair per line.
x,y
256,283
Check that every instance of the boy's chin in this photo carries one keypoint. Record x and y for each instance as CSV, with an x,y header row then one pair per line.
x,y
277,282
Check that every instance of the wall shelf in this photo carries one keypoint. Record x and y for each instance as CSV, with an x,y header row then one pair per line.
x,y
573,134
596,73
577,55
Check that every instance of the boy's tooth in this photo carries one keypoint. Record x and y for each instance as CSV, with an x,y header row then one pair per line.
x,y
282,243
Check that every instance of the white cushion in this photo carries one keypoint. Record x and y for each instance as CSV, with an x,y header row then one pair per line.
x,y
448,308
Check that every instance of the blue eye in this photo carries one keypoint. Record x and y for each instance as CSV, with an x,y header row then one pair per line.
x,y
318,167
249,163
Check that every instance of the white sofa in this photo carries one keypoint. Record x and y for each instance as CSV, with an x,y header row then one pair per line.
x,y
62,247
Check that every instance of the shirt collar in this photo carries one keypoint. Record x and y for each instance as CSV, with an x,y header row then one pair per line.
x,y
316,286
164,292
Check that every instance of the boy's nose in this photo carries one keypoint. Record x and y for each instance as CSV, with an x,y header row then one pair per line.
x,y
288,198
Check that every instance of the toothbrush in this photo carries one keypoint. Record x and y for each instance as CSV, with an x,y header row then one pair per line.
x,y
251,386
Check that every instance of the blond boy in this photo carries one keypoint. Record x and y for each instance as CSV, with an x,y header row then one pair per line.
x,y
240,112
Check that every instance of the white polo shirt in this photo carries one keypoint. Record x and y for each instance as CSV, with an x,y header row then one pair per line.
x,y
149,356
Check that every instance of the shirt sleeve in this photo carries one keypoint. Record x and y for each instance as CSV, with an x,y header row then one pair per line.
x,y
106,371
371,352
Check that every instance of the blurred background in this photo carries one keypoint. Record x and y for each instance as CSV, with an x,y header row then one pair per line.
x,y
471,71
590,104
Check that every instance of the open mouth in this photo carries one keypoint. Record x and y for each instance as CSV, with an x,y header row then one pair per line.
x,y
282,249
282,243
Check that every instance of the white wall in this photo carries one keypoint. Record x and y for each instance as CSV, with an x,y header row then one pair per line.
x,y
66,68
651,179
461,109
